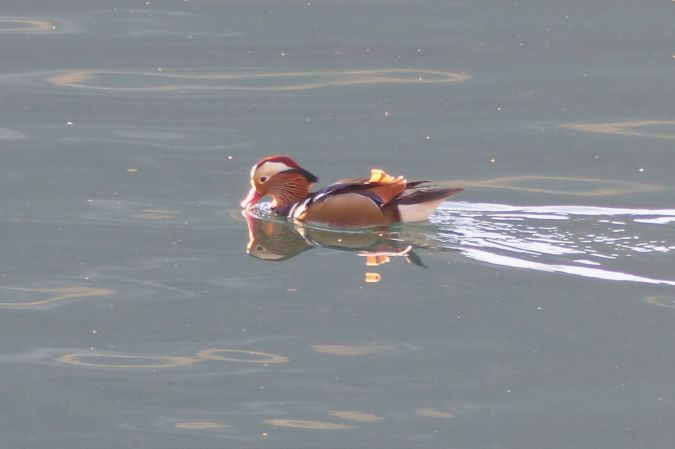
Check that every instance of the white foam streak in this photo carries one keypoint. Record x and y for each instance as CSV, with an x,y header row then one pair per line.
x,y
586,262
559,211
658,220
597,273
537,216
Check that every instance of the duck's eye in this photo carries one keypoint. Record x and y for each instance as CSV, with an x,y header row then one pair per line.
x,y
263,178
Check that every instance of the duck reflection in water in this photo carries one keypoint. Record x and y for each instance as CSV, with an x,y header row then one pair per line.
x,y
275,240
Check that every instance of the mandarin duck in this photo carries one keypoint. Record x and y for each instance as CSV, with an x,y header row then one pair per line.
x,y
380,200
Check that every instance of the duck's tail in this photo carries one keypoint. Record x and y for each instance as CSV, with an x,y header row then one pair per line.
x,y
418,201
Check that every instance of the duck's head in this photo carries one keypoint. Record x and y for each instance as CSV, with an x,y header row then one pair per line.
x,y
281,178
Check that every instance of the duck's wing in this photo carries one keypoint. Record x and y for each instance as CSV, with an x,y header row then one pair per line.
x,y
355,202
381,185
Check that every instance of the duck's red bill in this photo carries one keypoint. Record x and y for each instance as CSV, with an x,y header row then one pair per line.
x,y
252,198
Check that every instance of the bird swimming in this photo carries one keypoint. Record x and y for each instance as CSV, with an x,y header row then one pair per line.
x,y
380,200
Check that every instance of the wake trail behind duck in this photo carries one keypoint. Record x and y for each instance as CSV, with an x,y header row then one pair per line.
x,y
618,244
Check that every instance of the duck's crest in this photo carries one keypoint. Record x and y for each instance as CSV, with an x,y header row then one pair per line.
x,y
279,159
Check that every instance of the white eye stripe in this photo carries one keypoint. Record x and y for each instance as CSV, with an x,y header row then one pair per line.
x,y
274,167
267,170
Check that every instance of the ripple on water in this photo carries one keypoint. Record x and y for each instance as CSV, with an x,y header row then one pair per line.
x,y
238,355
38,25
161,81
166,214
15,25
200,425
356,416
175,142
306,424
102,360
429,412
9,134
661,301
353,350
23,297
563,185
94,359
638,128
201,422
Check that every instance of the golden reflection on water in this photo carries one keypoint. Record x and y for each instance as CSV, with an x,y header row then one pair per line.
x,y
662,301
434,413
629,128
529,183
72,79
200,425
52,295
101,360
352,350
229,355
156,214
127,361
25,25
306,424
161,81
376,260
356,416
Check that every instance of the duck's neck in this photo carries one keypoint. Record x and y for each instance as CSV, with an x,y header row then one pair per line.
x,y
288,192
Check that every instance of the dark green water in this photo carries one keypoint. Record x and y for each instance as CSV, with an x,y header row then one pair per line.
x,y
535,310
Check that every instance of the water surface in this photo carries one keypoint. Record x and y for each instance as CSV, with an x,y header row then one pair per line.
x,y
139,308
